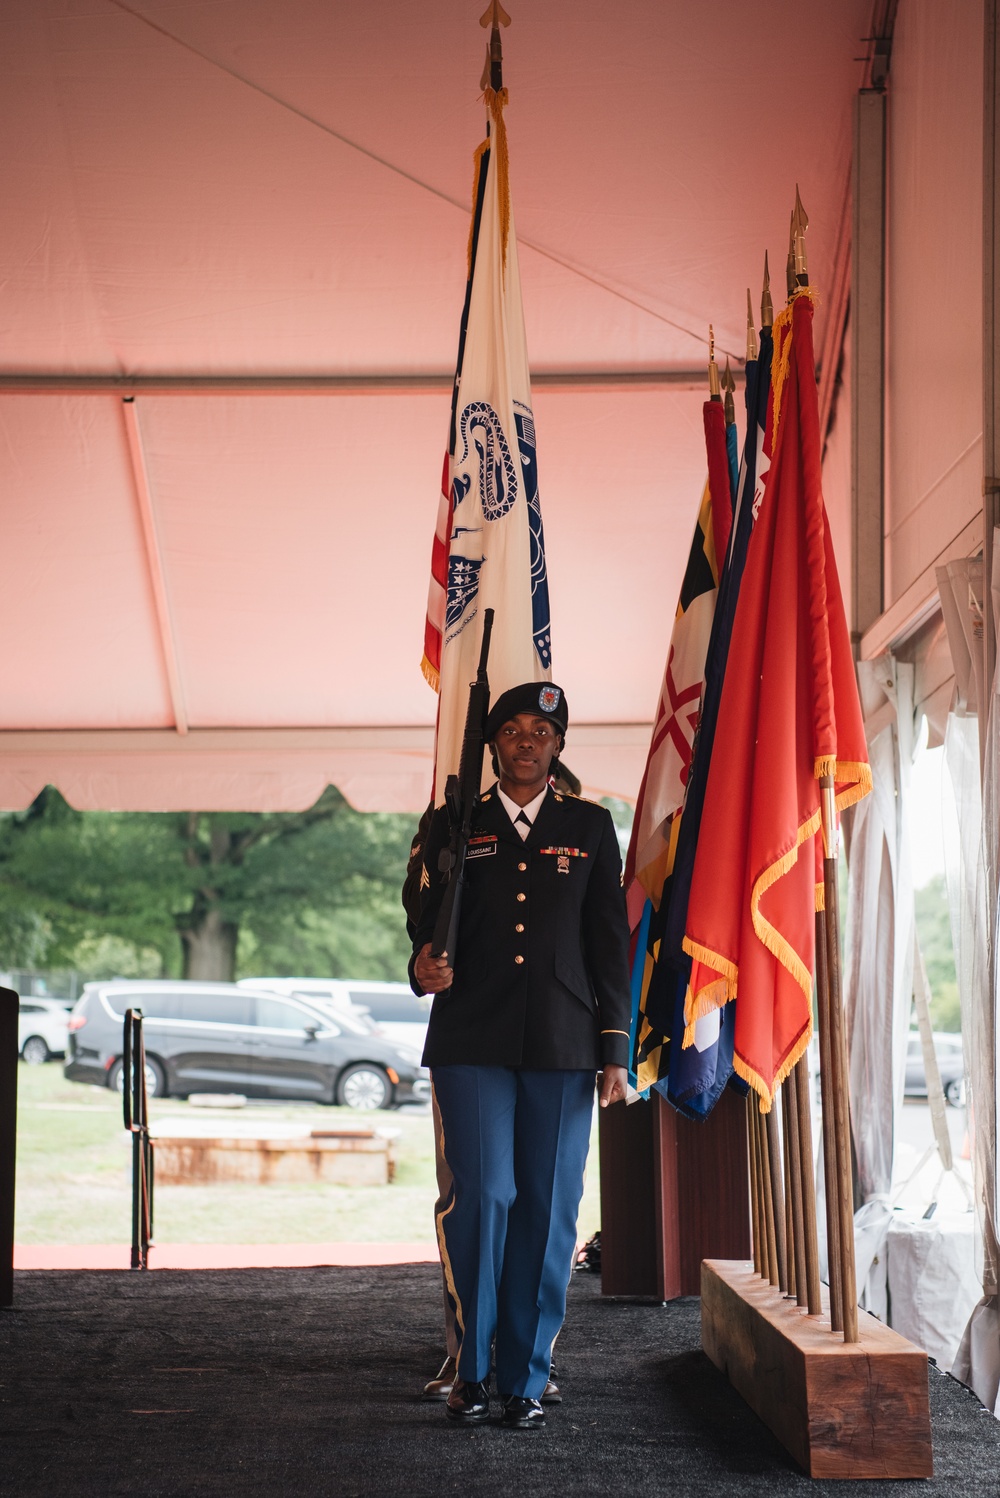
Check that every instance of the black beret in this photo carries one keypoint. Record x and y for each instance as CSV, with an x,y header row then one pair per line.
x,y
540,698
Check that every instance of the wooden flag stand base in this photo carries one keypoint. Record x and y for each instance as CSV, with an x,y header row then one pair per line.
x,y
846,1410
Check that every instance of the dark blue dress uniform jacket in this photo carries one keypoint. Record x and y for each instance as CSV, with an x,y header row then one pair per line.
x,y
541,970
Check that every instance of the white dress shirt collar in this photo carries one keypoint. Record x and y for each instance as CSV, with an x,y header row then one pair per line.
x,y
530,811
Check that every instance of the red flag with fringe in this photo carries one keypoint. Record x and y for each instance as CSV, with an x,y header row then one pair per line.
x,y
789,714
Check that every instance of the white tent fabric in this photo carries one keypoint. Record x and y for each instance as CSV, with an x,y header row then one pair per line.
x,y
878,970
252,219
972,890
932,1281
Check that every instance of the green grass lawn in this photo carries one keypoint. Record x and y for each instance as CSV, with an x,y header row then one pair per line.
x,y
74,1178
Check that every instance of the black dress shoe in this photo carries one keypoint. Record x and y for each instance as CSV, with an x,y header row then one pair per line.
x,y
440,1386
551,1393
468,1404
520,1413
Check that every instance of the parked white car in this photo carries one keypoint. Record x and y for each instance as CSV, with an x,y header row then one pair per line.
x,y
401,1015
331,993
395,1010
42,1028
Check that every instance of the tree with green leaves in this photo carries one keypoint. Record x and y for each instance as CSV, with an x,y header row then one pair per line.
x,y
934,934
213,893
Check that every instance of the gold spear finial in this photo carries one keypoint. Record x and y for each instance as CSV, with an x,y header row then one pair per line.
x,y
494,16
713,369
766,306
729,386
752,349
800,223
790,282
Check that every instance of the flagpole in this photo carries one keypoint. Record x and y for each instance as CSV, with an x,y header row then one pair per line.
x,y
807,1180
494,16
769,1254
729,386
714,387
777,1195
829,1134
773,1272
791,1246
789,1104
754,1184
844,1200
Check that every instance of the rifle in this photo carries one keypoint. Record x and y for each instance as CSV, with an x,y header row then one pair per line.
x,y
461,792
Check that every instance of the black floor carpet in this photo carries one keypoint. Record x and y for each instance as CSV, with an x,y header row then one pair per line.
x,y
305,1381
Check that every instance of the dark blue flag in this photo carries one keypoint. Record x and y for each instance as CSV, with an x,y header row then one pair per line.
x,y
700,1069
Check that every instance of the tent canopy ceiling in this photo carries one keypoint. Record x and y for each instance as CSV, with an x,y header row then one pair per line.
x,y
267,195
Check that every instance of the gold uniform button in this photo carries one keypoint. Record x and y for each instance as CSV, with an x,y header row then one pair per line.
x,y
522,896
519,959
522,867
519,927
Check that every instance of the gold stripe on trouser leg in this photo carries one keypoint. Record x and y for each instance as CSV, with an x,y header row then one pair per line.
x,y
439,1218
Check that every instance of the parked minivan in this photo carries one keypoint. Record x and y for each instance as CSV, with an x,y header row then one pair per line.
x,y
219,1037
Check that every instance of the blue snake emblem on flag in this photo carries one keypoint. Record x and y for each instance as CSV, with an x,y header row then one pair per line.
x,y
497,488
497,474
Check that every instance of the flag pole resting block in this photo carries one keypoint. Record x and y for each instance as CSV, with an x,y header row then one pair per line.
x,y
841,1410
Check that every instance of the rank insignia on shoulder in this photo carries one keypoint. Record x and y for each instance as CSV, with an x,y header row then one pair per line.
x,y
425,878
566,852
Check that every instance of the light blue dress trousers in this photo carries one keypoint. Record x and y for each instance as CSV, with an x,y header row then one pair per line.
x,y
516,1141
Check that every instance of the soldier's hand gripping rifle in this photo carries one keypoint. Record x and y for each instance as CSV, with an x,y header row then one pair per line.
x,y
460,793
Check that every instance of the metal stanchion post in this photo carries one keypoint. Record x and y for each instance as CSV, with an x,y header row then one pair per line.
x,y
9,1006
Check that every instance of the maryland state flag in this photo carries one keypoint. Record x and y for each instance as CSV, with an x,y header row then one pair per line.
x,y
789,714
655,829
488,547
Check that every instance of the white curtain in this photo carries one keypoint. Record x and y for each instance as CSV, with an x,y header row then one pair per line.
x,y
972,893
878,970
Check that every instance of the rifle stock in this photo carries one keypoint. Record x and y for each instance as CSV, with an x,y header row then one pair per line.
x,y
461,793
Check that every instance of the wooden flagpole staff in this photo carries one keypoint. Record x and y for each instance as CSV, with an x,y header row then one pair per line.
x,y
843,1204
829,1135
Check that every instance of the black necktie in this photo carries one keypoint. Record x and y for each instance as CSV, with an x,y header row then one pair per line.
x,y
521,818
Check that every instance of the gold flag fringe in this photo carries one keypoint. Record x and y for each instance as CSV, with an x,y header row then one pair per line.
x,y
778,945
477,166
857,771
753,1078
726,987
495,102
431,674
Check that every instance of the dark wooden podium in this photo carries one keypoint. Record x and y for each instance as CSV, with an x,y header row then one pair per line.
x,y
673,1193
